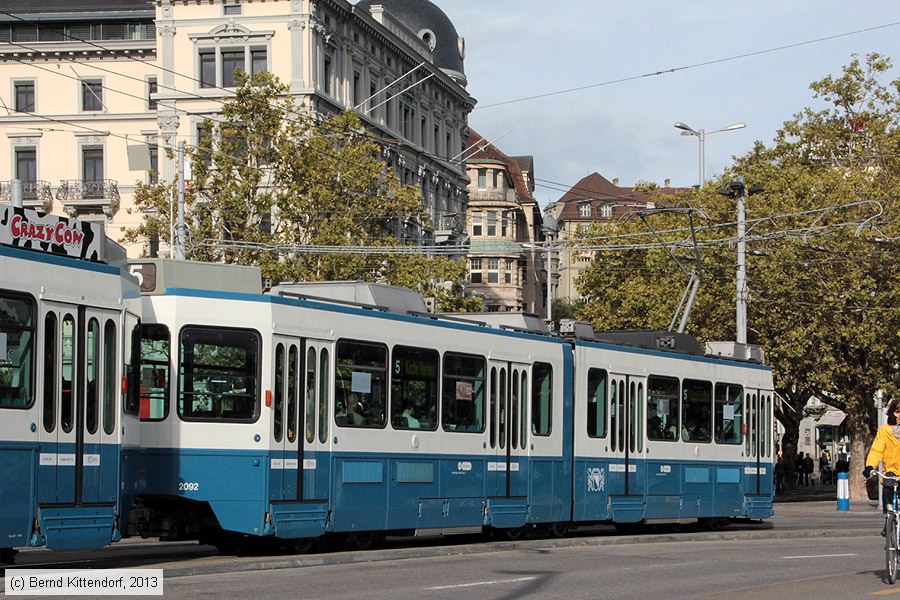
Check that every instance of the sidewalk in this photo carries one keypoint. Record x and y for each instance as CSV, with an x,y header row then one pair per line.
x,y
809,493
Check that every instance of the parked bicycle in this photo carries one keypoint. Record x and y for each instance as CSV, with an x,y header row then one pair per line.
x,y
891,526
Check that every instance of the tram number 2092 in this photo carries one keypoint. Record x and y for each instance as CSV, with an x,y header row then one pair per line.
x,y
188,486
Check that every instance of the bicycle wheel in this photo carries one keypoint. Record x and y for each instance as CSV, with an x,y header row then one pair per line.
x,y
890,547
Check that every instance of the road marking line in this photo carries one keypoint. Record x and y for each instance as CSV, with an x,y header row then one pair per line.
x,y
884,593
464,585
820,556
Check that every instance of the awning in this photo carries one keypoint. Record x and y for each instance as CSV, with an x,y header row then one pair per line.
x,y
832,417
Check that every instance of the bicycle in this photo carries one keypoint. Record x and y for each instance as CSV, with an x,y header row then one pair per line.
x,y
891,527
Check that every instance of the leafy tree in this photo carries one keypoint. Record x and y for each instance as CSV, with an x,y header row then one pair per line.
x,y
273,187
824,297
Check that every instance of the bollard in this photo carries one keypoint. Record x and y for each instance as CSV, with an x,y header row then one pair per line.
x,y
843,492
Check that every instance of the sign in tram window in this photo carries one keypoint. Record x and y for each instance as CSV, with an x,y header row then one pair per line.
x,y
663,414
16,351
360,384
596,403
463,393
414,388
696,401
219,373
728,414
154,380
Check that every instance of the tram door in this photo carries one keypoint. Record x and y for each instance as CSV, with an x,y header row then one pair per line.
x,y
313,465
509,390
284,434
79,459
626,433
757,440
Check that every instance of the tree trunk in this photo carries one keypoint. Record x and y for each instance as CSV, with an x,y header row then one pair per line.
x,y
863,418
789,453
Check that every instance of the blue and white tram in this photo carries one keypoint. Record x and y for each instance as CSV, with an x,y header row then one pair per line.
x,y
64,323
281,415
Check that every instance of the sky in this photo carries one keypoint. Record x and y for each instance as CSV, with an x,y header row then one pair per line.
x,y
625,130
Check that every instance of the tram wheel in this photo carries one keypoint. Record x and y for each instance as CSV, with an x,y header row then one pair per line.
x,y
8,556
510,534
364,540
303,545
558,529
628,528
228,543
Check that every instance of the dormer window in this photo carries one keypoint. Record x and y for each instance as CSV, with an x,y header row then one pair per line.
x,y
606,211
584,210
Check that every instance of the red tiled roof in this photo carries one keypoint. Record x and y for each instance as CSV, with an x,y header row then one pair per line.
x,y
598,191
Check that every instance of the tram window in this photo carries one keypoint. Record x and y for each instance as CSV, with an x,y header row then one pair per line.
x,y
132,400
92,402
278,392
360,386
514,403
154,364
662,408
323,395
67,375
110,373
504,413
494,422
463,393
596,403
293,390
523,418
728,413
219,373
414,388
16,351
696,402
619,401
310,395
632,421
50,372
639,418
541,398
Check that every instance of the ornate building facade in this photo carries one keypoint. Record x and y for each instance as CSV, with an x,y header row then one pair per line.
x,y
504,223
84,81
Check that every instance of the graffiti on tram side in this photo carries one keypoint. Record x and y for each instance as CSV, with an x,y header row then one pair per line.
x,y
28,229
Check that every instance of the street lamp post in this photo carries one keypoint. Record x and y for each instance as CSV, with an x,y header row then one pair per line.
x,y
701,136
549,228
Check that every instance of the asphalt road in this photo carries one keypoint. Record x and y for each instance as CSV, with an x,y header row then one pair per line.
x,y
808,550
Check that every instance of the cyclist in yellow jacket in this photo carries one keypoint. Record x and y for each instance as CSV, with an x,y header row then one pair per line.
x,y
886,448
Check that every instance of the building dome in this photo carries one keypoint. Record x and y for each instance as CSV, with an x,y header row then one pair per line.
x,y
434,27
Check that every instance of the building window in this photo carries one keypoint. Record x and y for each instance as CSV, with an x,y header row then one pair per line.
x,y
24,91
152,88
477,224
91,95
584,210
504,220
231,62
208,69
491,223
493,270
508,273
154,164
475,270
92,164
232,7
26,164
328,72
496,176
606,211
259,61
482,179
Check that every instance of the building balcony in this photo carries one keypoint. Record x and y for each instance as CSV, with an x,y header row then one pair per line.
x,y
492,196
35,194
79,196
448,228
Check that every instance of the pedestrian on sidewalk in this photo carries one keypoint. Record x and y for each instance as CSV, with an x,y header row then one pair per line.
x,y
798,469
779,476
807,468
